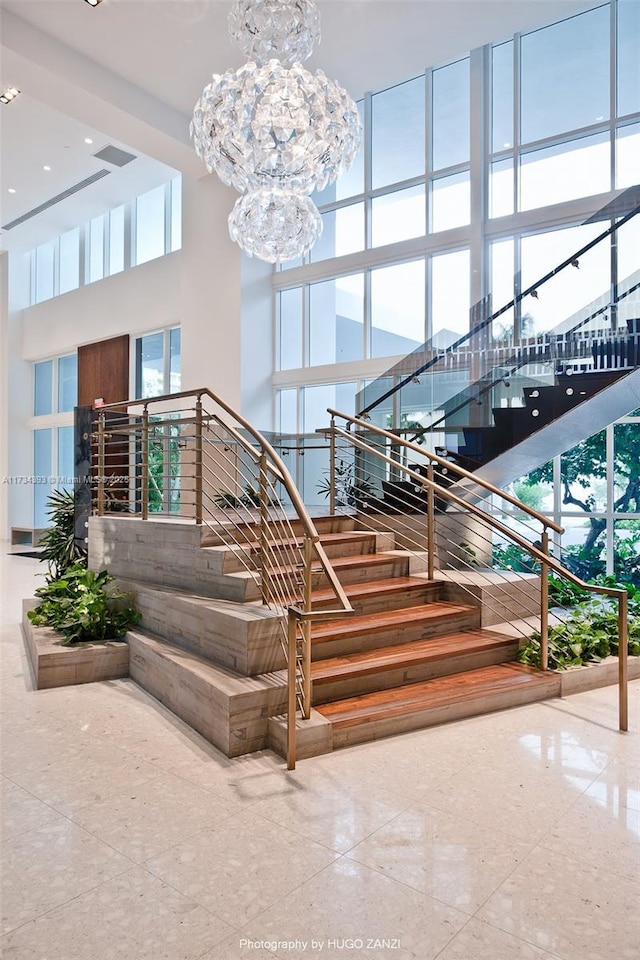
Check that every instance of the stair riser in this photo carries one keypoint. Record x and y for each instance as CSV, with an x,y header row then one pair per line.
x,y
398,599
250,531
326,691
385,570
436,627
376,729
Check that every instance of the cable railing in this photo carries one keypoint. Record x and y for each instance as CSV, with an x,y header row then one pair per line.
x,y
471,356
189,456
464,541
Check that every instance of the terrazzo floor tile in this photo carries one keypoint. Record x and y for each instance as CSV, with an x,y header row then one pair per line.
x,y
152,816
619,784
20,812
442,855
480,941
242,867
356,913
241,947
132,917
568,908
46,868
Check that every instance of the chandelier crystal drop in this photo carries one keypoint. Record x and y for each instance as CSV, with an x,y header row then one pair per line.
x,y
275,131
275,225
264,29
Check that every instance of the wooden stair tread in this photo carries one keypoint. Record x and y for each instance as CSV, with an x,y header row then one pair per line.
x,y
371,588
371,622
407,654
430,694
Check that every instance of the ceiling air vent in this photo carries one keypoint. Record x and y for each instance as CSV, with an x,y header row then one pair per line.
x,y
61,196
111,154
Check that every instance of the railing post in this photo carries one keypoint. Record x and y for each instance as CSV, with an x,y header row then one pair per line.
x,y
431,525
292,679
101,463
332,468
145,462
544,604
198,463
623,650
306,632
264,528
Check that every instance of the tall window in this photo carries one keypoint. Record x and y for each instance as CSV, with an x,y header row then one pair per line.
x,y
158,363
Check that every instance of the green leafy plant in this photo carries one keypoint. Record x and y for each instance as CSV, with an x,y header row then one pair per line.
x,y
589,634
59,547
350,489
80,607
250,498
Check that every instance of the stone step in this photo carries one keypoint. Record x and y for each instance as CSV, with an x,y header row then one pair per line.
x,y
352,569
354,674
248,530
374,596
387,712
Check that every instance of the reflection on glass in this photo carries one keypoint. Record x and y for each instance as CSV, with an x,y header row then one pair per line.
x,y
450,292
44,272
150,225
565,75
501,189
342,233
150,365
450,202
398,133
67,383
397,308
175,360
42,468
567,171
70,260
628,12
43,388
116,240
66,459
451,127
502,96
290,336
96,249
336,317
398,216
628,156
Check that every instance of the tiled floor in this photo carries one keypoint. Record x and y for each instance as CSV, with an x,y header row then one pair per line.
x,y
127,837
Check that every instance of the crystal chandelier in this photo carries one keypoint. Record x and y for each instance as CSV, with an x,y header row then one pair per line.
x,y
273,130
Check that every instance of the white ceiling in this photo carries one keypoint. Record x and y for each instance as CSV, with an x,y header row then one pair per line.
x,y
129,71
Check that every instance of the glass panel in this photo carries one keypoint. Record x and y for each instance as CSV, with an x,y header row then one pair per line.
x,y
42,469
336,320
291,329
583,471
397,309
502,284
502,96
626,551
116,240
176,213
70,260
398,216
628,57
288,411
352,182
44,272
398,133
628,244
316,400
150,225
450,292
150,365
342,233
579,168
175,360
501,189
562,296
451,130
66,458
565,75
626,467
43,388
628,156
450,202
96,249
67,383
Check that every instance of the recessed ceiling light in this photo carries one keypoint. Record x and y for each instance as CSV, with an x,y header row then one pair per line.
x,y
88,140
93,3
9,94
46,167
11,190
